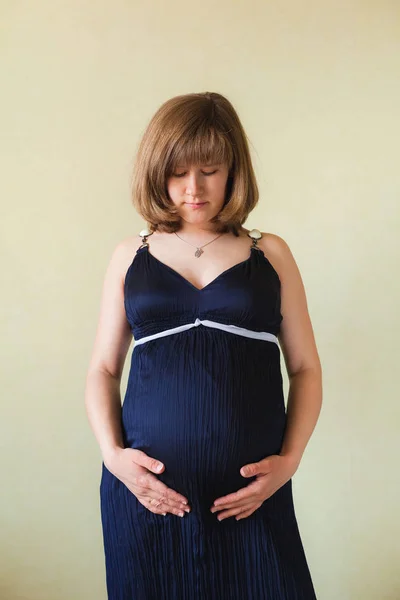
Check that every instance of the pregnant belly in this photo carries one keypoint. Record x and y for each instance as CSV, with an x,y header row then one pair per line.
x,y
206,428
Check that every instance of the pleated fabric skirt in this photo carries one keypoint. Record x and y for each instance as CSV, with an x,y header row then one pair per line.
x,y
205,402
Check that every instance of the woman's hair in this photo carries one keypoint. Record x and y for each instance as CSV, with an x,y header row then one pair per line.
x,y
192,129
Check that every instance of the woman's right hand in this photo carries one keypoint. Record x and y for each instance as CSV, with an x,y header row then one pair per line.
x,y
135,469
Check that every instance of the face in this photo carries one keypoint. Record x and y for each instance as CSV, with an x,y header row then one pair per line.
x,y
198,191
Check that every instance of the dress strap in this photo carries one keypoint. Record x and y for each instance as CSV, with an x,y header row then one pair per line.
x,y
255,235
144,234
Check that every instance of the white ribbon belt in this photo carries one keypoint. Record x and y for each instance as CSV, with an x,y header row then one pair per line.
x,y
257,335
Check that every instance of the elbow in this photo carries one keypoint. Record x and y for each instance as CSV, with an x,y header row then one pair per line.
x,y
312,369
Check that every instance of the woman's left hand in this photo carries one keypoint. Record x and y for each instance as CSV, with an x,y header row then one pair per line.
x,y
271,473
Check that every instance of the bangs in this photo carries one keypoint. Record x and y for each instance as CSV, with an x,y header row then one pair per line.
x,y
193,130
206,147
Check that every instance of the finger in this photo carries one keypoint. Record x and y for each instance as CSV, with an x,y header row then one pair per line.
x,y
171,496
144,460
238,504
235,511
149,482
150,497
149,486
245,514
244,498
154,508
158,507
170,504
242,494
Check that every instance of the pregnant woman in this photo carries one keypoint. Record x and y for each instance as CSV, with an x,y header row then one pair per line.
x,y
196,486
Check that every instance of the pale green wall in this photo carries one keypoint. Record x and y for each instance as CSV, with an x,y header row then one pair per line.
x,y
316,85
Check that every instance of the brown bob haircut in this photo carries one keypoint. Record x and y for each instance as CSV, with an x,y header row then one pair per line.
x,y
193,129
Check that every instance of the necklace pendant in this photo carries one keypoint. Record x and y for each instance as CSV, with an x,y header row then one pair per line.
x,y
198,252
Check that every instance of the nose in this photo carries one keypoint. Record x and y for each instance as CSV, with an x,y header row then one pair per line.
x,y
193,186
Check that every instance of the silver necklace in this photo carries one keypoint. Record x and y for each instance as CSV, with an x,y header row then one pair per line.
x,y
199,250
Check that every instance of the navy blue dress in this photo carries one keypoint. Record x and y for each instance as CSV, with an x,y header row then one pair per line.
x,y
205,402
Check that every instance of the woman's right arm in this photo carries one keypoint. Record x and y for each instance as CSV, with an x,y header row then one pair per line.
x,y
103,397
112,341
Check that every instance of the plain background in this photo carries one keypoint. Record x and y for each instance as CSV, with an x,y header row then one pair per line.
x,y
316,85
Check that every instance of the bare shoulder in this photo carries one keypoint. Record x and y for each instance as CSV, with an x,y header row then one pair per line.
x,y
274,243
277,252
123,255
296,334
129,245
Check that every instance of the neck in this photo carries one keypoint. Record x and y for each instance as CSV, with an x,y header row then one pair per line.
x,y
192,229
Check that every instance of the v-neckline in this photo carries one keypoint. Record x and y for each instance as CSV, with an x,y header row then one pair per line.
x,y
213,281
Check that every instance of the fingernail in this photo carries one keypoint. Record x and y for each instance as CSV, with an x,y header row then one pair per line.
x,y
164,514
181,514
159,467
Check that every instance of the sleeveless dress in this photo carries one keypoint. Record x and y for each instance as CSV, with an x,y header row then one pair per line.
x,y
205,397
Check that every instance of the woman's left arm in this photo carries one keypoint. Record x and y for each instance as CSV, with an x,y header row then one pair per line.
x,y
299,349
297,341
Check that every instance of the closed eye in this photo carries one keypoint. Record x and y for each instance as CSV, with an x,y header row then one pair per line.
x,y
206,174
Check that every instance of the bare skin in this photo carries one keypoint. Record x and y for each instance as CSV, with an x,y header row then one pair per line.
x,y
113,338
